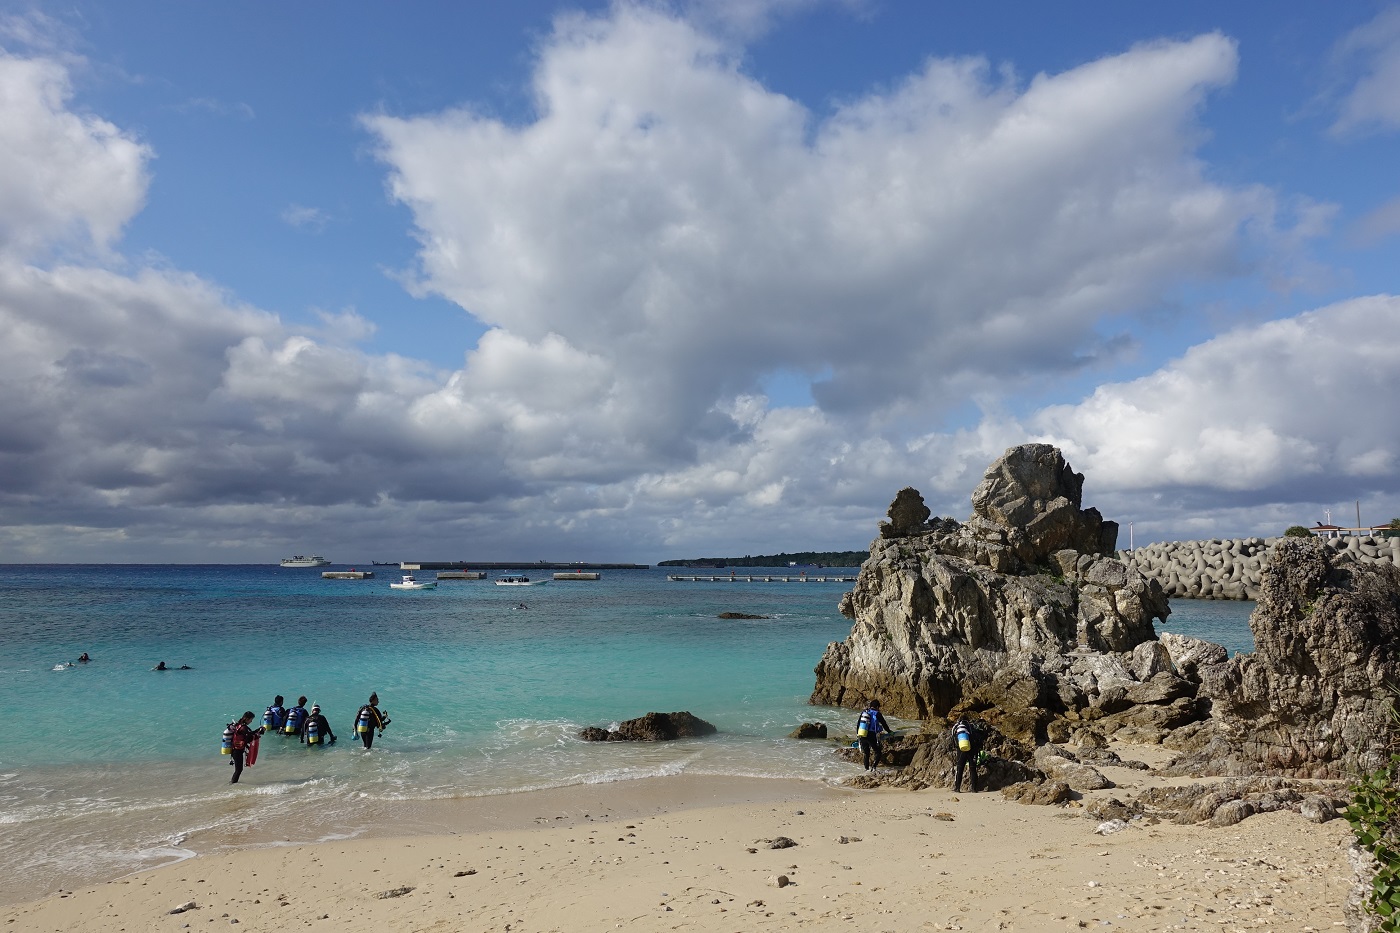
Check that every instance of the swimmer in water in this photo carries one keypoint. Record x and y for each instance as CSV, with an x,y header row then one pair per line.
x,y
160,666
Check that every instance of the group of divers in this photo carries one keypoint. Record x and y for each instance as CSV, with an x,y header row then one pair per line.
x,y
240,739
966,741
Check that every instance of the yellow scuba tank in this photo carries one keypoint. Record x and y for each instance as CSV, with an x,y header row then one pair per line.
x,y
226,746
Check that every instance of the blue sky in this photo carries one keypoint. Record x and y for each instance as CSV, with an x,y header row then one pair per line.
x,y
641,281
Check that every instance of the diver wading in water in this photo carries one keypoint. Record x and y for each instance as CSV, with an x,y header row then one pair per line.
x,y
370,719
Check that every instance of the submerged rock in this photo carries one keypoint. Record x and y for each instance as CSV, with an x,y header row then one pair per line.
x,y
653,727
809,730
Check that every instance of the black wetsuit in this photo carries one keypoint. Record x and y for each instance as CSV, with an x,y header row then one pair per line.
x,y
966,758
874,722
323,729
242,738
376,721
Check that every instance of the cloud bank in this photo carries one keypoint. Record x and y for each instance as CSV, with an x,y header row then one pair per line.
x,y
659,242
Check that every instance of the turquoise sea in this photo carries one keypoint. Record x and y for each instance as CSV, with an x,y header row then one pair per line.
x,y
109,767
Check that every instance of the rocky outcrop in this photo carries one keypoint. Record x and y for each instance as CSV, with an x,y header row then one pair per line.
x,y
1314,697
653,727
1023,616
809,730
1022,610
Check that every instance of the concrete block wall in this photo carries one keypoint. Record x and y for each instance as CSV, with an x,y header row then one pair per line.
x,y
1230,569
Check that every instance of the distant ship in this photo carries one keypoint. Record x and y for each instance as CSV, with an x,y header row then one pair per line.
x,y
300,561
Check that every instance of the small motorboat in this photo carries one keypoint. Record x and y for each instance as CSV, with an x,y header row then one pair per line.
x,y
408,583
518,579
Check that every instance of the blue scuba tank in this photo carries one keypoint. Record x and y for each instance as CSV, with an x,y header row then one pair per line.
x,y
293,720
270,720
226,746
313,731
362,724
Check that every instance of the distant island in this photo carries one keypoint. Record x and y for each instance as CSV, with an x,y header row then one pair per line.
x,y
800,558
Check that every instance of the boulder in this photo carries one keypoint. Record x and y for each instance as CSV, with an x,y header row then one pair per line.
x,y
1044,793
908,515
653,727
809,730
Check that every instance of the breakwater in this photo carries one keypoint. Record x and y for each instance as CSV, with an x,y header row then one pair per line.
x,y
1230,569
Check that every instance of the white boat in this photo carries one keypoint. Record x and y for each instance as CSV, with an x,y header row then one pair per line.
x,y
300,561
518,579
411,584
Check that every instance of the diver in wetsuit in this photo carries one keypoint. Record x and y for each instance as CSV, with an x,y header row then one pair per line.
x,y
369,719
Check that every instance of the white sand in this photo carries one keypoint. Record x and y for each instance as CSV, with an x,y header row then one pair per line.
x,y
674,854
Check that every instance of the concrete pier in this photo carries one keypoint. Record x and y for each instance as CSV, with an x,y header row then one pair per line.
x,y
758,578
462,575
346,574
578,575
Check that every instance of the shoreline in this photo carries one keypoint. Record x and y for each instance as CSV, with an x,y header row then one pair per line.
x,y
566,806
686,852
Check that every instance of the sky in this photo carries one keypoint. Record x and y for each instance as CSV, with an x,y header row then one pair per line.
x,y
641,281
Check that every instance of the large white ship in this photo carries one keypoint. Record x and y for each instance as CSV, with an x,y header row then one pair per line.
x,y
300,561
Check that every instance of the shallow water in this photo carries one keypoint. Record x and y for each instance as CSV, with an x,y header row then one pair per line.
x,y
109,766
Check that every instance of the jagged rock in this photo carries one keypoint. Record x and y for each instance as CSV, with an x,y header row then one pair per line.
x,y
908,515
1356,910
653,727
1317,809
1111,809
1022,609
1231,812
1080,777
1312,699
1046,793
809,730
1189,654
739,615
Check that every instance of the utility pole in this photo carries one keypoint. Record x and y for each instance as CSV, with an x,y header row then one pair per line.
x,y
1358,514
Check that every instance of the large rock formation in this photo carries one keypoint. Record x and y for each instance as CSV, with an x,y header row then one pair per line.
x,y
1023,617
1314,699
1022,610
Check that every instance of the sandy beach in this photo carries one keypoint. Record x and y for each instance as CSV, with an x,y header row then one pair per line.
x,y
695,853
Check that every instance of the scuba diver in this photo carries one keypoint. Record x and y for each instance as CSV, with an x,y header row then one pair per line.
x,y
276,716
296,719
318,730
868,729
160,666
368,719
83,658
967,742
237,737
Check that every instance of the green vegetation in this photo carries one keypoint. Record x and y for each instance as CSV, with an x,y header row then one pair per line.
x,y
801,558
1297,531
1374,815
1394,531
